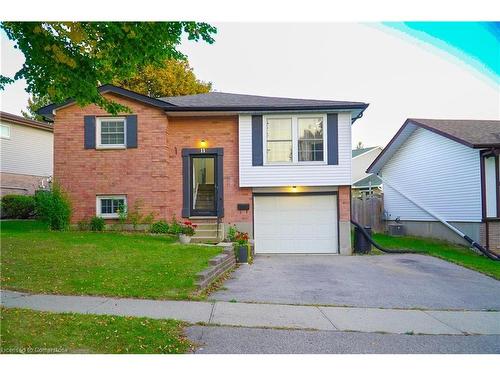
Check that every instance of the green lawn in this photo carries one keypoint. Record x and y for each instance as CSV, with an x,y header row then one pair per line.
x,y
453,253
107,264
26,331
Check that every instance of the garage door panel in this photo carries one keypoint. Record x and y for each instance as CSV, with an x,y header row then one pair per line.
x,y
295,224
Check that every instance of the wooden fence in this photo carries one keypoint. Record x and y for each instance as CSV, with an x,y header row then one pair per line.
x,y
369,211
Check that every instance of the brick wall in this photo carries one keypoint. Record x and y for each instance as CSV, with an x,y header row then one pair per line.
x,y
344,203
494,236
187,132
152,172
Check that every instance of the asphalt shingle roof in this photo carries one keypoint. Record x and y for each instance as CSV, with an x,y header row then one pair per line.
x,y
228,100
373,179
474,133
360,151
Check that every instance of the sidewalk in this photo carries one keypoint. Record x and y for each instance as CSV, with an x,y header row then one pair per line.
x,y
270,315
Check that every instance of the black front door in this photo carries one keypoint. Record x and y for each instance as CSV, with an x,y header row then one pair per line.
x,y
203,187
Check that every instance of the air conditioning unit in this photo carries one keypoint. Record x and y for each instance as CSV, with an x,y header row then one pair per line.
x,y
397,229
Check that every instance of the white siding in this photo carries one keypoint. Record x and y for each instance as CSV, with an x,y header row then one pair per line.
x,y
440,174
490,180
28,151
361,162
300,175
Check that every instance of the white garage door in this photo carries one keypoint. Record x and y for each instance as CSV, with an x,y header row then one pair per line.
x,y
295,223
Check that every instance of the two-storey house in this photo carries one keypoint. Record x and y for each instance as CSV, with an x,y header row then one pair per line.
x,y
277,168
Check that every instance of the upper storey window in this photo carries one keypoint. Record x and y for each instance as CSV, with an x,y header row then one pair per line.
x,y
111,132
295,139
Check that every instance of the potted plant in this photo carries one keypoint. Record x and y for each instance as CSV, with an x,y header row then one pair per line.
x,y
241,247
186,231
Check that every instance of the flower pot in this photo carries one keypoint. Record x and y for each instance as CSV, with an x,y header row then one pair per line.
x,y
184,239
242,253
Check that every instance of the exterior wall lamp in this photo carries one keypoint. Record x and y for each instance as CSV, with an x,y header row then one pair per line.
x,y
203,145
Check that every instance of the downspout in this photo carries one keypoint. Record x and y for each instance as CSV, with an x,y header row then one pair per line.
x,y
486,252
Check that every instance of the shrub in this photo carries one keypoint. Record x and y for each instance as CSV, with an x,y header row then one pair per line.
x,y
231,233
174,227
15,206
134,216
97,224
83,225
53,207
160,226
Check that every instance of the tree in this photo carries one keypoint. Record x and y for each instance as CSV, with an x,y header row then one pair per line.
x,y
71,59
359,145
172,78
34,104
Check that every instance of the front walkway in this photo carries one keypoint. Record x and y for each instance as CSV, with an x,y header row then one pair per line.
x,y
323,318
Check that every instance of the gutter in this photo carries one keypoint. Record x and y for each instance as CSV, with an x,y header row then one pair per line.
x,y
486,252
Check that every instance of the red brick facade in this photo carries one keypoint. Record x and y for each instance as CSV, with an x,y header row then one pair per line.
x,y
345,203
152,172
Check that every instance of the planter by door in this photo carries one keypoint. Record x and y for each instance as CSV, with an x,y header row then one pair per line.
x,y
184,239
242,254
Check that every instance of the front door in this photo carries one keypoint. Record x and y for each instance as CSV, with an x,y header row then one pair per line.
x,y
203,185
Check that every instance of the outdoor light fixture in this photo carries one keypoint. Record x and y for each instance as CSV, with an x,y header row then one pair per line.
x,y
294,189
203,144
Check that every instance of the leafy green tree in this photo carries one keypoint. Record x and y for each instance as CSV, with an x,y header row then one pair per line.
x,y
174,77
34,104
71,59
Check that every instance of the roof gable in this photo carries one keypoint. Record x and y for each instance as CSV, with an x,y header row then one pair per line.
x,y
470,133
18,120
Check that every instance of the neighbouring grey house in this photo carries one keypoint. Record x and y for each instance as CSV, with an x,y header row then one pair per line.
x,y
447,170
364,183
26,149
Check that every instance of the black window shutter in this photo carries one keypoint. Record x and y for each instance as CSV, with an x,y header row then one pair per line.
x,y
89,132
220,184
132,131
257,146
332,130
186,183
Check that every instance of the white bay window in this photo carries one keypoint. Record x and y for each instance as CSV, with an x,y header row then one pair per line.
x,y
295,139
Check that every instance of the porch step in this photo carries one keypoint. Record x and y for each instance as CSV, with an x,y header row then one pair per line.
x,y
206,230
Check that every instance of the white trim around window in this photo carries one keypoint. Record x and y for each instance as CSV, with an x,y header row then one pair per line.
x,y
5,131
109,205
107,145
295,138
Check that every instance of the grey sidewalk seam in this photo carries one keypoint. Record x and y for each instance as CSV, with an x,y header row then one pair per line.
x,y
322,313
446,324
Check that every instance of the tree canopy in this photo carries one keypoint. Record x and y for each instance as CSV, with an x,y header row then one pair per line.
x,y
172,78
72,59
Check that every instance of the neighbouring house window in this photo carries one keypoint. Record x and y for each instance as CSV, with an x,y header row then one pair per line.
x,y
5,131
310,139
111,132
279,140
492,186
295,139
108,206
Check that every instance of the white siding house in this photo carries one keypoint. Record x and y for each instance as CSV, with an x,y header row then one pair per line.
x,y
26,152
444,170
428,162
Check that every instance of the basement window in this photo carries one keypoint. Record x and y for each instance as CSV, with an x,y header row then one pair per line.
x,y
108,206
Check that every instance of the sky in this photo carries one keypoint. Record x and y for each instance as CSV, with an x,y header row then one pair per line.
x,y
403,70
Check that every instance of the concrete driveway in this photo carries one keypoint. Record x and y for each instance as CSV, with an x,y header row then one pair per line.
x,y
385,281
